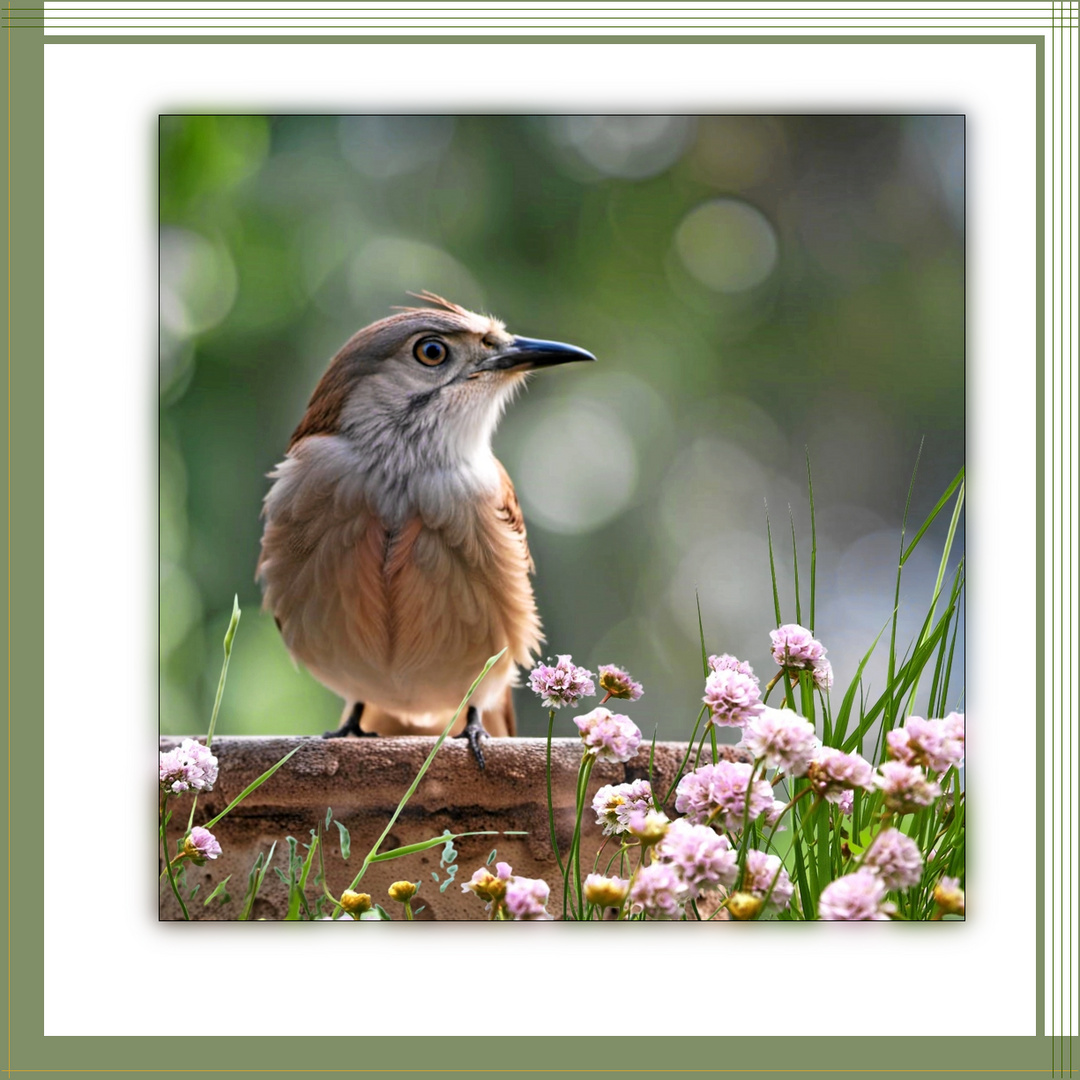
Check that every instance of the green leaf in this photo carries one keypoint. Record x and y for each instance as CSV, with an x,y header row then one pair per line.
x,y
250,788
255,880
383,917
219,890
329,817
492,857
346,840
191,895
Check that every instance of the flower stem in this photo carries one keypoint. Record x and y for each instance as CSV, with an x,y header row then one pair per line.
x,y
551,805
168,862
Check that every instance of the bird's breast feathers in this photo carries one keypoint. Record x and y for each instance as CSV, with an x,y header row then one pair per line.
x,y
397,599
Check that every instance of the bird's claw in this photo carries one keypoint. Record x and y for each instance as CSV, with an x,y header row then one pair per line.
x,y
351,726
474,732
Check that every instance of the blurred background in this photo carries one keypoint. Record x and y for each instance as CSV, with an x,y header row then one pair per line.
x,y
754,287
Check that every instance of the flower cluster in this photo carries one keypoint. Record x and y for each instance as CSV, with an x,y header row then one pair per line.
x,y
187,767
488,886
201,844
701,857
832,772
563,683
617,683
786,741
727,662
764,872
608,736
718,793
857,897
935,744
794,648
526,899
733,697
523,899
895,858
657,891
614,803
905,788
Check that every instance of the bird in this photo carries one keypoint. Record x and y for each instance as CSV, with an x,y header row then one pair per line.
x,y
394,556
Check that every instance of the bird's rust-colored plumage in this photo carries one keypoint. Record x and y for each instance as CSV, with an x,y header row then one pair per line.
x,y
394,555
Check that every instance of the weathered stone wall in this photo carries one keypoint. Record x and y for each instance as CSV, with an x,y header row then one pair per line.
x,y
363,780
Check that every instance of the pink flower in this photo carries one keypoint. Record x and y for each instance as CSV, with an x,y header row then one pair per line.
x,y
895,858
934,744
702,858
489,886
823,676
761,869
832,771
658,891
614,803
772,815
727,662
526,899
795,648
733,697
906,787
608,736
856,898
201,844
846,802
718,793
786,741
617,683
189,766
561,684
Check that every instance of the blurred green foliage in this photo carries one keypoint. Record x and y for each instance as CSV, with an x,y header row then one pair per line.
x,y
752,286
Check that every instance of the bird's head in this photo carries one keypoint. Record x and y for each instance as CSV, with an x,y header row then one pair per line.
x,y
426,384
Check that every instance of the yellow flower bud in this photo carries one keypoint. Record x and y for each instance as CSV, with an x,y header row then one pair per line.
x,y
744,906
355,903
649,828
402,891
949,896
604,891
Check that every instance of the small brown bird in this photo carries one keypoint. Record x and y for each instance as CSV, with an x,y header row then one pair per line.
x,y
394,557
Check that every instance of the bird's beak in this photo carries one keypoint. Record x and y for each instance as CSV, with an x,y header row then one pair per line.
x,y
527,354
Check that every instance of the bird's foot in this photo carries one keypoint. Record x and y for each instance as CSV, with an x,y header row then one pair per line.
x,y
474,732
351,725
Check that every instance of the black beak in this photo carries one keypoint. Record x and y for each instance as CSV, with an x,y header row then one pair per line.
x,y
526,354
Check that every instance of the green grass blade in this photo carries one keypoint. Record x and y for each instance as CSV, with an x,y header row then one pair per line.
x,y
813,541
701,637
255,880
772,568
230,633
956,482
900,570
795,561
424,768
423,845
250,788
840,727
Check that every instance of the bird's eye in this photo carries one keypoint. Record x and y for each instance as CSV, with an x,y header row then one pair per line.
x,y
430,351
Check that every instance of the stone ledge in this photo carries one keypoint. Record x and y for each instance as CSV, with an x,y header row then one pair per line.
x,y
363,780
